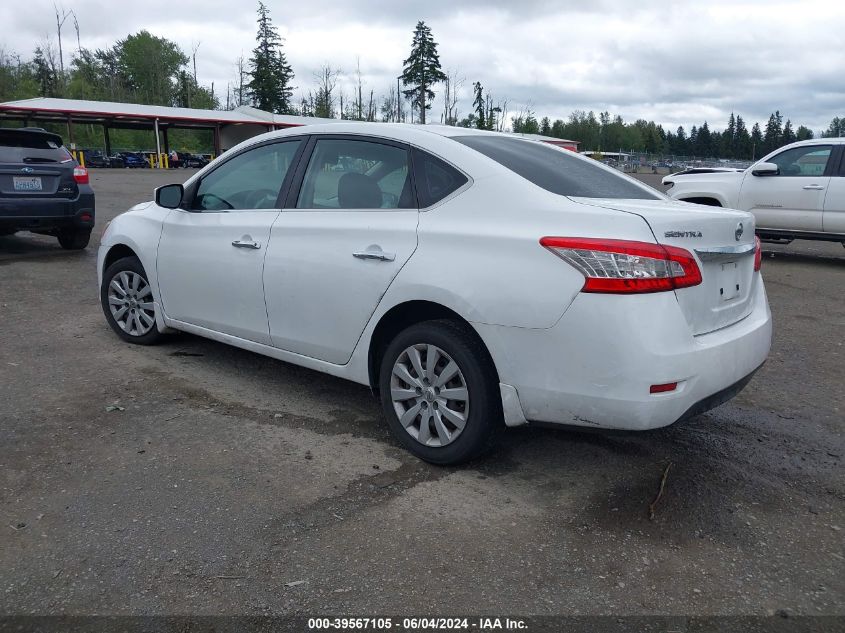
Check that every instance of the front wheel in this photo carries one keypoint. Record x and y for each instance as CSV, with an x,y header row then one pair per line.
x,y
127,301
440,393
75,239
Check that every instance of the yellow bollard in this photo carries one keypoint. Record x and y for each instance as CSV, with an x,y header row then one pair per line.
x,y
82,159
166,161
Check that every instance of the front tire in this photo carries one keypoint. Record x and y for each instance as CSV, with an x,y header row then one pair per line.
x,y
74,240
127,301
440,393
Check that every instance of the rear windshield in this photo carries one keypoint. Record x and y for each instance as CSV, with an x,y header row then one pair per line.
x,y
22,147
556,170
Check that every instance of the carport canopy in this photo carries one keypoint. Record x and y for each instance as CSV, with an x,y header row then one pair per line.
x,y
229,126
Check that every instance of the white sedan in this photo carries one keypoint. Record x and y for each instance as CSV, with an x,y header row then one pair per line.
x,y
796,192
473,280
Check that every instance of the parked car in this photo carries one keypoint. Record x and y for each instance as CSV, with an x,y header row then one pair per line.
x,y
472,279
134,160
796,192
194,160
97,158
42,189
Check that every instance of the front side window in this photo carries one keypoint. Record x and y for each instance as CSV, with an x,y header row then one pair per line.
x,y
251,180
556,170
353,174
803,161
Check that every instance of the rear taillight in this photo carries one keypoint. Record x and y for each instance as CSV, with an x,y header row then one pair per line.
x,y
624,267
758,254
80,175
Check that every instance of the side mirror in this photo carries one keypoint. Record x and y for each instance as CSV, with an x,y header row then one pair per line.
x,y
170,196
765,169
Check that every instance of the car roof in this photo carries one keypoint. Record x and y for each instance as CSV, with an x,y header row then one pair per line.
x,y
832,140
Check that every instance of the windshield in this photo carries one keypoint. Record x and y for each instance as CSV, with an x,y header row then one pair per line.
x,y
557,170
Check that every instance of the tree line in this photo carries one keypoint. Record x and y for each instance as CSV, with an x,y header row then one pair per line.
x,y
144,68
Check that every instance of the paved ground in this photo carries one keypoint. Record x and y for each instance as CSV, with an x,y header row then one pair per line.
x,y
229,476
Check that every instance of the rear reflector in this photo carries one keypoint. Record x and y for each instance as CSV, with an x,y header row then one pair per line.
x,y
758,254
626,267
669,386
85,217
80,175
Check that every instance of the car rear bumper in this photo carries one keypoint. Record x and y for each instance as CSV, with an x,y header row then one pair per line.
x,y
595,367
47,214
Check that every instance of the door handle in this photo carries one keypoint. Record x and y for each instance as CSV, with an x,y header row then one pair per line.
x,y
814,187
379,255
246,244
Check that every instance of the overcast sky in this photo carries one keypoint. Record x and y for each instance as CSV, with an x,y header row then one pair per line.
x,y
677,63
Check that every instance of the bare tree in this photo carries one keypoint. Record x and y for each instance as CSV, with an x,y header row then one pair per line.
x,y
451,92
359,99
324,101
194,49
502,118
240,64
388,106
61,16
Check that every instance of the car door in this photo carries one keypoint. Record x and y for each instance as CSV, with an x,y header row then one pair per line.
x,y
211,255
833,219
793,198
349,226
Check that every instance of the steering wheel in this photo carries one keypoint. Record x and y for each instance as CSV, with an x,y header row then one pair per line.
x,y
254,199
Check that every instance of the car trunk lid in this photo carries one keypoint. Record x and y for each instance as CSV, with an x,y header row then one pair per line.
x,y
721,240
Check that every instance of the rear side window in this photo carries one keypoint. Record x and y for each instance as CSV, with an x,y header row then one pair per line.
x,y
435,179
31,147
356,174
556,170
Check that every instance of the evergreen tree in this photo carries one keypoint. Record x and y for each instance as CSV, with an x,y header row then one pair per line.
x,y
270,74
728,145
742,140
703,141
803,133
756,141
478,105
835,129
788,135
545,126
773,133
681,142
45,74
422,69
558,129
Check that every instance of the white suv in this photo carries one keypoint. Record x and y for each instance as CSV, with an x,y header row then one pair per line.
x,y
796,192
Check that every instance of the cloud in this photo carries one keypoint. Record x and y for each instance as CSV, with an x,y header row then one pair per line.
x,y
676,63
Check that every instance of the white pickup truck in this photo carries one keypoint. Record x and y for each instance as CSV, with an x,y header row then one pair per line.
x,y
796,192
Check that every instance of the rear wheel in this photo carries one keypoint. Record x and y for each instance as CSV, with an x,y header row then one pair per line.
x,y
127,301
440,393
74,239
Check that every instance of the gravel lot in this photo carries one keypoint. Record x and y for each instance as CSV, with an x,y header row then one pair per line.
x,y
228,476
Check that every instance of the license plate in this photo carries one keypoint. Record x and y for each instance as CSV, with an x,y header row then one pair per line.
x,y
26,183
729,281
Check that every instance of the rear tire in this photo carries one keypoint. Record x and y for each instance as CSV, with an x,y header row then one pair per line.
x,y
74,240
127,301
450,412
